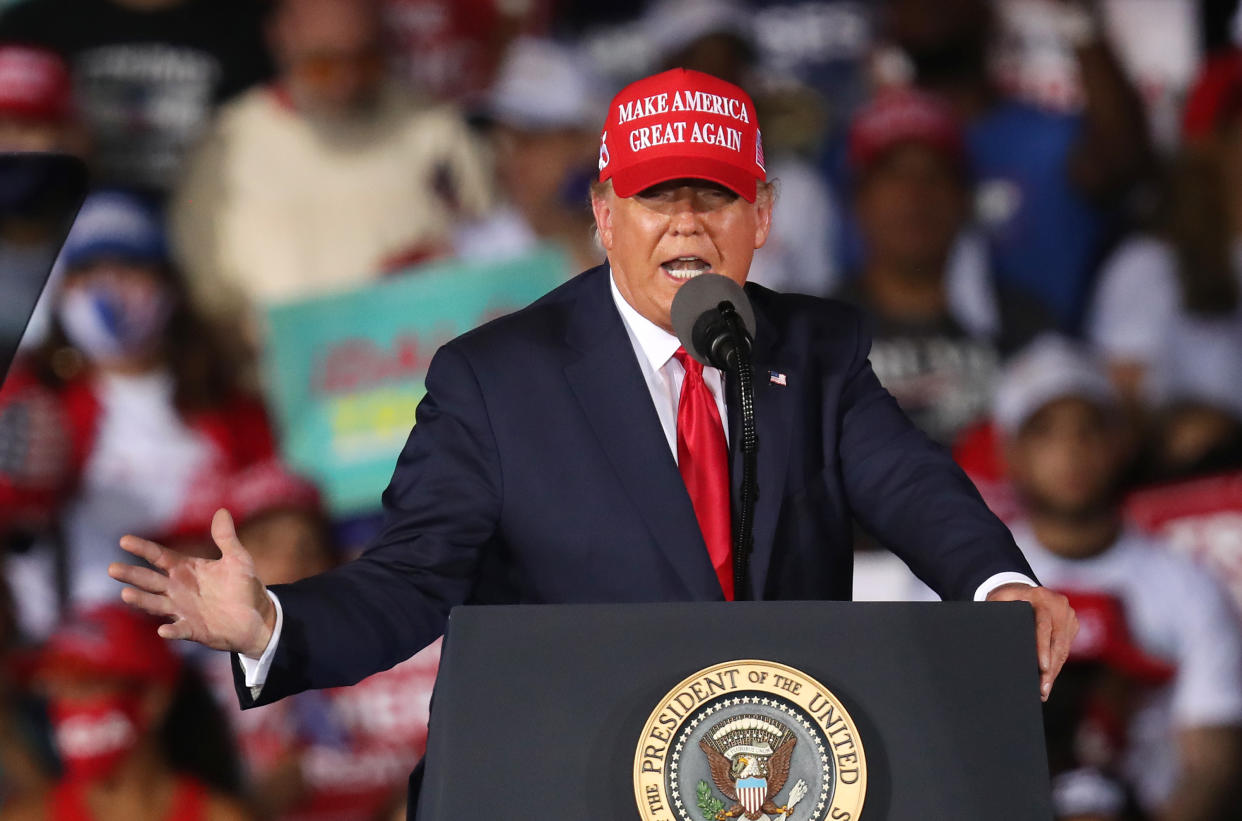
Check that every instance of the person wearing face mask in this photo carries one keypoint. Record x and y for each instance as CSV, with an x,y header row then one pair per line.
x,y
107,426
110,685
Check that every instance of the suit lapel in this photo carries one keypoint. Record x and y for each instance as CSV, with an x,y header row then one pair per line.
x,y
773,417
608,384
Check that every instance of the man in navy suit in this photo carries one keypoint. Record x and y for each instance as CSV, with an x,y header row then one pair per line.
x,y
570,452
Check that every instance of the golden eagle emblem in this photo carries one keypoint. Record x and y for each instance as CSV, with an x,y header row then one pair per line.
x,y
749,758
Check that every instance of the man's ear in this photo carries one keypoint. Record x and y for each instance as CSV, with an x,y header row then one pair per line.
x,y
603,219
763,216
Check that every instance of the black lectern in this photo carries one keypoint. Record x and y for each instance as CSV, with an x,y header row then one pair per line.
x,y
538,711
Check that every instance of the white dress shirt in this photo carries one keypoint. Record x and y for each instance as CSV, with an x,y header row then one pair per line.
x,y
654,348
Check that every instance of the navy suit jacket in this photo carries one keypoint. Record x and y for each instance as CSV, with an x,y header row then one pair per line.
x,y
537,472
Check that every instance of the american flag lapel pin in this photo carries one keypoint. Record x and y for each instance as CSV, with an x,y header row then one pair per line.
x,y
777,378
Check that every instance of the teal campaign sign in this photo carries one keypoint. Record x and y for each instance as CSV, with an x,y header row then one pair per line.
x,y
346,370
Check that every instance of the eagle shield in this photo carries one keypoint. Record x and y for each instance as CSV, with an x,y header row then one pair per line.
x,y
751,793
749,757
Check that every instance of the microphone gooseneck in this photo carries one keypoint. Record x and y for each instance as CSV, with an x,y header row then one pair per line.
x,y
744,542
715,324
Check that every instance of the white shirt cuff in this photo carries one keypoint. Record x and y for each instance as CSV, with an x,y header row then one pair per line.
x,y
981,593
256,669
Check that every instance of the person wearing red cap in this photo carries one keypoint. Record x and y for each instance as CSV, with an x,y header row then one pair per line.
x,y
109,683
574,452
147,74
1050,183
321,755
36,102
941,319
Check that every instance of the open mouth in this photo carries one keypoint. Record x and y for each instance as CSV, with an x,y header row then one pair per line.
x,y
684,268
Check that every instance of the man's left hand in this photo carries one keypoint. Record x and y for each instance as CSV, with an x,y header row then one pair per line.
x,y
1055,627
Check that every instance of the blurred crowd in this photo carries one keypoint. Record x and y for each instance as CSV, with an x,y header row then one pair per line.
x,y
1036,203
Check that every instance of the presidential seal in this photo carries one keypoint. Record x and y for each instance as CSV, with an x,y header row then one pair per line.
x,y
750,740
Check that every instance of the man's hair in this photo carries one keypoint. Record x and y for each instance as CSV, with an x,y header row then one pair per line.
x,y
600,188
763,188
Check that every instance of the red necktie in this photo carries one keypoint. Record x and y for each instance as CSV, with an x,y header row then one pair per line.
x,y
703,459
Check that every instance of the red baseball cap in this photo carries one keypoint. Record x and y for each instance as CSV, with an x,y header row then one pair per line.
x,y
111,641
905,116
681,123
34,84
1104,637
269,486
263,487
1215,97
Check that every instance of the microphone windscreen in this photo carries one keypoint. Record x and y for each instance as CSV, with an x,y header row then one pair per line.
x,y
702,294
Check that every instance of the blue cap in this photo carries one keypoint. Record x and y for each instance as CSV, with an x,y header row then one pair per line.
x,y
114,224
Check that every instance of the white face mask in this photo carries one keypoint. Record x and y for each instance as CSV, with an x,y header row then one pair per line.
x,y
107,321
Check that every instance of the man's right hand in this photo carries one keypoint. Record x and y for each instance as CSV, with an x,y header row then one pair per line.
x,y
219,603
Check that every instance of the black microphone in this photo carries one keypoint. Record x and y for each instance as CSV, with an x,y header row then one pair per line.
x,y
714,321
